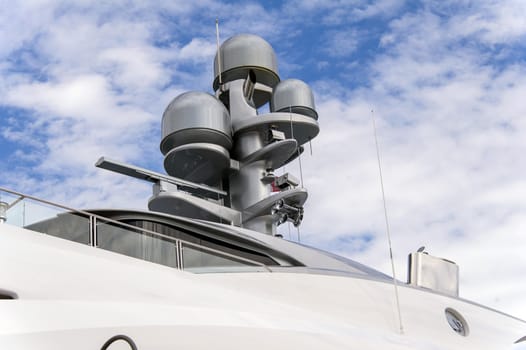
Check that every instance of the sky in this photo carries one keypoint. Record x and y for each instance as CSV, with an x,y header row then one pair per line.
x,y
446,81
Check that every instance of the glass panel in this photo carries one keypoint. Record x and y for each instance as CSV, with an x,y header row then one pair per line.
x,y
205,242
195,257
15,214
24,211
46,219
136,244
71,226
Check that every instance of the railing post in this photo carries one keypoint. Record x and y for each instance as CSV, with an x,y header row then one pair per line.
x,y
3,211
93,238
95,233
179,254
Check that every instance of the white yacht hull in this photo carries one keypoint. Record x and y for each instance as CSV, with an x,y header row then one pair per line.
x,y
71,296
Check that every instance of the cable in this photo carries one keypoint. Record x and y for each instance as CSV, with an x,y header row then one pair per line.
x,y
299,151
113,339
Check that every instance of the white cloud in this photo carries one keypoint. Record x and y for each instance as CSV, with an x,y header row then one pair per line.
x,y
134,68
198,49
378,8
493,22
74,99
342,43
338,12
19,21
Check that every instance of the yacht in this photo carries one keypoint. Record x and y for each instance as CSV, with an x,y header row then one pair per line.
x,y
205,267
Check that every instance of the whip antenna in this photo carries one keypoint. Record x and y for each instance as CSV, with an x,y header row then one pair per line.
x,y
395,283
218,53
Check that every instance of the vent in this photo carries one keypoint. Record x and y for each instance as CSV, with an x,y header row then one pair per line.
x,y
433,273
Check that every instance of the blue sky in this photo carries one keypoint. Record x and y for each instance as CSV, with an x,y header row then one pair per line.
x,y
446,80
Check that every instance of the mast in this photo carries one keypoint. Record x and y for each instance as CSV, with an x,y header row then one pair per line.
x,y
220,154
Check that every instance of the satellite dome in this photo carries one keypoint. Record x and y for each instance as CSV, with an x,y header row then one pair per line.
x,y
196,137
293,95
245,52
195,117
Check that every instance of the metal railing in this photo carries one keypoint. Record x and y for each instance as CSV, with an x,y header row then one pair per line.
x,y
98,231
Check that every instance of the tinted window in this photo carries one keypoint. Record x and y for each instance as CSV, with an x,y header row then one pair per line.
x,y
203,251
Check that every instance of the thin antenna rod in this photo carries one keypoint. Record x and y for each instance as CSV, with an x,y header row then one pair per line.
x,y
395,283
218,53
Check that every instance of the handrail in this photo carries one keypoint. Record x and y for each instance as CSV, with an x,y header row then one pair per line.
x,y
86,213
93,218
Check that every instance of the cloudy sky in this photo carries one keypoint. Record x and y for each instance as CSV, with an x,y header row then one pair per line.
x,y
446,81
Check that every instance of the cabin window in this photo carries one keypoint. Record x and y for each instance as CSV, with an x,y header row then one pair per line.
x,y
196,250
195,257
136,244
